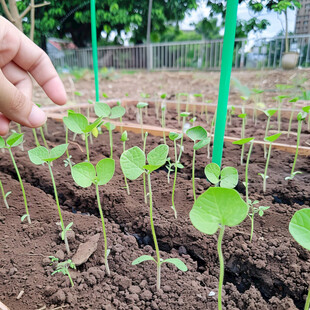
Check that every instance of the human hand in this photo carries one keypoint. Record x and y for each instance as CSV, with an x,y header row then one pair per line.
x,y
19,57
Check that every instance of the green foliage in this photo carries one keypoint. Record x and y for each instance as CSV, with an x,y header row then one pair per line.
x,y
143,258
124,136
270,112
117,112
40,154
14,139
227,177
197,133
142,105
273,137
132,162
102,109
243,141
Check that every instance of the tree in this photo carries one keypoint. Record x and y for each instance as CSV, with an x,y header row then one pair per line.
x,y
208,28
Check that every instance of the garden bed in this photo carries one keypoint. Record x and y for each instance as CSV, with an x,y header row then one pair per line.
x,y
271,272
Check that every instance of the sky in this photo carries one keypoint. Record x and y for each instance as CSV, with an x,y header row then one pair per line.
x,y
276,22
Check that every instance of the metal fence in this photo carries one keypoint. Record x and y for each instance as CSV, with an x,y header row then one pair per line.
x,y
198,55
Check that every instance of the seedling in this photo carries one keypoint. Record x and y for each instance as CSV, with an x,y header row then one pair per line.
x,y
300,118
19,130
193,120
104,95
269,139
197,134
78,124
243,116
299,228
211,132
163,115
174,137
34,132
133,164
214,209
41,155
68,161
231,111
257,96
280,99
85,174
293,101
124,138
13,140
143,176
121,111
269,113
63,267
227,177
4,194
140,106
183,115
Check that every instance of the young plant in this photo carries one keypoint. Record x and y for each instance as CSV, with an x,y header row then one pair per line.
x,y
211,133
4,194
78,124
269,113
307,110
231,111
13,140
269,139
124,138
183,115
243,116
300,118
120,112
257,96
34,132
215,209
140,106
299,228
63,267
280,99
227,177
163,115
197,133
133,164
67,161
85,174
174,137
41,155
293,101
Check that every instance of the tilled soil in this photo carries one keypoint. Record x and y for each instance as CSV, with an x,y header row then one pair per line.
x,y
271,272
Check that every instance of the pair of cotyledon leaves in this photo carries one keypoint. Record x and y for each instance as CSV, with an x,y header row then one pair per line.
x,y
14,139
198,133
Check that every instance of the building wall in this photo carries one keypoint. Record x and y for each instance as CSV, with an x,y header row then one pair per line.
x,y
302,24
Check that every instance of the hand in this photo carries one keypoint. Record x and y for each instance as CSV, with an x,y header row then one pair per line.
x,y
19,57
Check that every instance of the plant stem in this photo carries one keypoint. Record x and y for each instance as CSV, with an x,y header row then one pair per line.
x,y
58,207
141,123
153,232
182,138
72,283
3,195
290,121
178,109
266,168
21,185
193,175
144,180
104,232
221,259
163,122
121,121
252,224
67,150
175,178
279,115
297,146
43,137
111,143
19,129
242,137
126,183
35,137
307,305
266,134
45,128
86,146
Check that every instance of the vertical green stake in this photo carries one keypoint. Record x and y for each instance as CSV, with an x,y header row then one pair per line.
x,y
227,57
94,45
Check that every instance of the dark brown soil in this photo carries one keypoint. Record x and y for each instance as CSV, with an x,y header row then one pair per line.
x,y
272,272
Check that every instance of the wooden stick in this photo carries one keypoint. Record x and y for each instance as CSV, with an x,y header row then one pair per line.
x,y
3,306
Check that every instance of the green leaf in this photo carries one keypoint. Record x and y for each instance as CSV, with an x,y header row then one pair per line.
x,y
23,217
261,210
243,141
163,96
212,172
158,156
142,105
300,227
105,170
242,115
218,206
2,143
229,177
15,139
185,114
273,137
179,166
197,133
95,124
124,136
57,151
295,99
84,174
201,143
38,155
7,194
142,258
176,262
109,126
117,112
151,168
104,95
102,109
306,109
90,101
174,136
301,116
270,112
132,162
76,122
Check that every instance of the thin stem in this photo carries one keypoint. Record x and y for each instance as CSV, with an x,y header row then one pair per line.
x,y
141,123
153,232
266,168
58,207
35,137
175,178
21,185
104,232
3,195
67,150
246,173
121,121
252,225
86,146
307,305
19,129
72,283
163,122
266,134
178,109
193,175
45,128
144,179
221,259
242,137
291,119
43,137
182,138
111,143
297,146
279,115
126,183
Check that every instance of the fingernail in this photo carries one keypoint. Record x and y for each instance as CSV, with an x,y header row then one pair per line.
x,y
36,117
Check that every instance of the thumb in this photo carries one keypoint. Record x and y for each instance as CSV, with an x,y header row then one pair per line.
x,y
18,107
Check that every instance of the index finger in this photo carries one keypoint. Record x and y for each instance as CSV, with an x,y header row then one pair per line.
x,y
16,47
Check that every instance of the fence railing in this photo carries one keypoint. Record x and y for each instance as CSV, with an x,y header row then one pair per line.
x,y
196,55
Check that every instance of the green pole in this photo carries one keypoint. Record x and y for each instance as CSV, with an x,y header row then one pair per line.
x,y
227,56
94,45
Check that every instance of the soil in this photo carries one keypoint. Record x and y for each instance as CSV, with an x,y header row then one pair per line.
x,y
271,272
